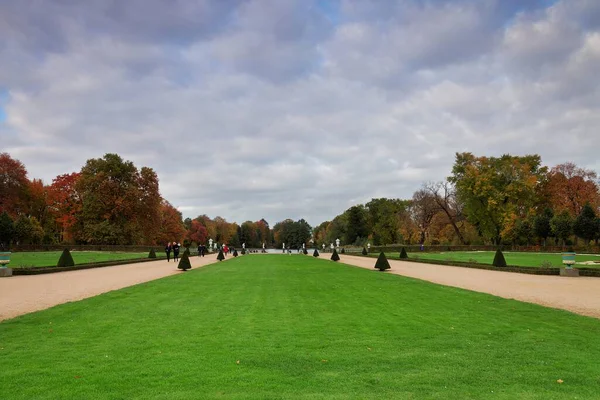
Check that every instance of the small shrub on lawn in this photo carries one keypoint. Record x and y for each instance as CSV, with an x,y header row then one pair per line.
x,y
382,263
152,254
343,251
220,256
184,263
546,264
364,252
243,251
403,253
65,260
499,260
315,253
305,251
235,253
335,256
473,261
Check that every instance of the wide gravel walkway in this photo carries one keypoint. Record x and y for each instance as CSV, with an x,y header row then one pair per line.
x,y
23,294
580,295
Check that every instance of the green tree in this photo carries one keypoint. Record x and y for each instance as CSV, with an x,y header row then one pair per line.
x,y
184,262
335,256
562,226
220,256
7,229
356,228
586,224
541,224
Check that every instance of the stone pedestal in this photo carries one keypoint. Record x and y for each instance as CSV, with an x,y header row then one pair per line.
x,y
569,272
4,272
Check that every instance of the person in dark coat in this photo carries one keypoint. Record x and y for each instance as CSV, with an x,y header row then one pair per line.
x,y
168,249
175,251
199,250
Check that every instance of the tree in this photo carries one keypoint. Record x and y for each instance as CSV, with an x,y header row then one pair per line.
x,y
424,208
386,218
562,226
335,256
541,224
197,232
13,185
357,227
65,260
493,189
171,225
446,199
499,260
569,187
382,263
7,229
315,253
64,205
586,224
184,262
120,205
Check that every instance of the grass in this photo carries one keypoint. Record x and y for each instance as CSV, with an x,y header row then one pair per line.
x,y
50,258
281,327
521,259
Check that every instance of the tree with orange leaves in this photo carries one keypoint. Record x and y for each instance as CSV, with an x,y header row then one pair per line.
x,y
568,188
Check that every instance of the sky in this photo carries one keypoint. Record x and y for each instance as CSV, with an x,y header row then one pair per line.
x,y
275,109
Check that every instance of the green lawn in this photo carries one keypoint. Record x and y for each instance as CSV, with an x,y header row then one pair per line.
x,y
50,258
295,327
521,259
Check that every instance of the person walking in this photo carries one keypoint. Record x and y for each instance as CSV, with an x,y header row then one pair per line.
x,y
168,249
175,251
199,250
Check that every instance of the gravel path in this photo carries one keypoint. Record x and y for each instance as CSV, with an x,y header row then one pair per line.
x,y
580,295
23,294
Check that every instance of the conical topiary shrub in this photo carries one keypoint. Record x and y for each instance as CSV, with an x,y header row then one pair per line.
x,y
335,256
184,262
220,256
499,260
235,253
243,251
315,253
187,251
403,253
364,252
65,260
152,254
305,251
343,251
382,263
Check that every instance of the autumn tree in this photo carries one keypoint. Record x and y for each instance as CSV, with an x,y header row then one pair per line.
x,y
64,205
120,205
171,225
569,187
445,197
385,217
493,190
424,208
13,185
197,232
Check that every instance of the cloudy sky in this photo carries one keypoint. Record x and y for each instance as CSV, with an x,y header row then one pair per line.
x,y
278,109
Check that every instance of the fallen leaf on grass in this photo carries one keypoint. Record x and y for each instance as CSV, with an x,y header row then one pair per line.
x,y
77,377
368,348
237,362
323,360
560,381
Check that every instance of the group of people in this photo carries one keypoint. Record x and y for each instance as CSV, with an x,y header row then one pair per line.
x,y
172,247
201,250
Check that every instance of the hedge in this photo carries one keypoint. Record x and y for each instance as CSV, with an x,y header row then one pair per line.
x,y
49,270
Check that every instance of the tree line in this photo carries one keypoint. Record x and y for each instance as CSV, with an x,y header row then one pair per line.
x,y
511,200
485,200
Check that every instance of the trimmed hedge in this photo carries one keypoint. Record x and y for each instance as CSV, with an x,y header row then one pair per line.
x,y
66,259
403,253
335,256
499,260
382,263
184,263
220,256
152,254
315,253
364,251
